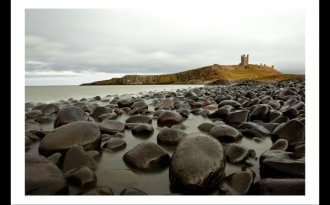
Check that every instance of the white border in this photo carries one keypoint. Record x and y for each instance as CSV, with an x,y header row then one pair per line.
x,y
17,107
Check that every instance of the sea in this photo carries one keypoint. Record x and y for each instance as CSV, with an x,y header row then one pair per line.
x,y
55,93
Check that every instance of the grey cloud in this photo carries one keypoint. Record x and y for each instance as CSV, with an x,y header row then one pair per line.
x,y
133,41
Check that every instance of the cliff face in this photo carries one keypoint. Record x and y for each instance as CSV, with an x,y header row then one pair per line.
x,y
202,75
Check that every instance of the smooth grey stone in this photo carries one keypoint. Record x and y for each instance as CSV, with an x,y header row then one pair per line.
x,y
225,133
147,155
197,165
86,134
170,136
42,177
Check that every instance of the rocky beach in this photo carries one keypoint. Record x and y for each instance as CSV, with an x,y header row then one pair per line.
x,y
246,138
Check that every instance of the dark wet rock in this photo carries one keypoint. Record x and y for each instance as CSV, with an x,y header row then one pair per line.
x,y
87,107
81,176
238,183
211,107
132,191
205,113
254,127
291,113
100,190
115,144
169,118
32,136
260,113
286,92
44,119
33,128
158,112
196,111
28,141
236,153
94,154
56,158
250,94
140,105
232,103
33,114
274,104
43,177
165,104
105,137
147,155
205,127
179,126
183,112
273,114
182,105
82,133
119,135
111,126
221,112
119,111
255,101
237,116
98,111
222,97
280,119
69,114
270,125
143,130
170,136
197,165
280,144
271,186
191,95
252,153
76,157
289,103
126,109
278,163
107,116
292,131
133,111
298,151
299,106
225,133
131,125
139,119
159,95
97,98
50,109
195,105
125,102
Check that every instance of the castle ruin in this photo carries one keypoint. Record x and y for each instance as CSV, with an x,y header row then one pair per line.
x,y
244,60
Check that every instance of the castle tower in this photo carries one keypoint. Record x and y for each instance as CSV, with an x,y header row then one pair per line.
x,y
244,59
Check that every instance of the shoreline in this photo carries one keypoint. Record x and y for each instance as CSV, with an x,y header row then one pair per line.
x,y
251,132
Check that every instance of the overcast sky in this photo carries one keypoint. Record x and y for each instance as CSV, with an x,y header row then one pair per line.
x,y
74,46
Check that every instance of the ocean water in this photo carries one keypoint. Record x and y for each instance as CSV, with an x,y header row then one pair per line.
x,y
54,93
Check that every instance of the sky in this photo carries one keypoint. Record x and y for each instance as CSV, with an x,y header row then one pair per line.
x,y
74,46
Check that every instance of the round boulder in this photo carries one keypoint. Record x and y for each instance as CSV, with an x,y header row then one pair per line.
x,y
86,134
169,118
170,136
147,155
225,133
42,177
197,165
69,114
